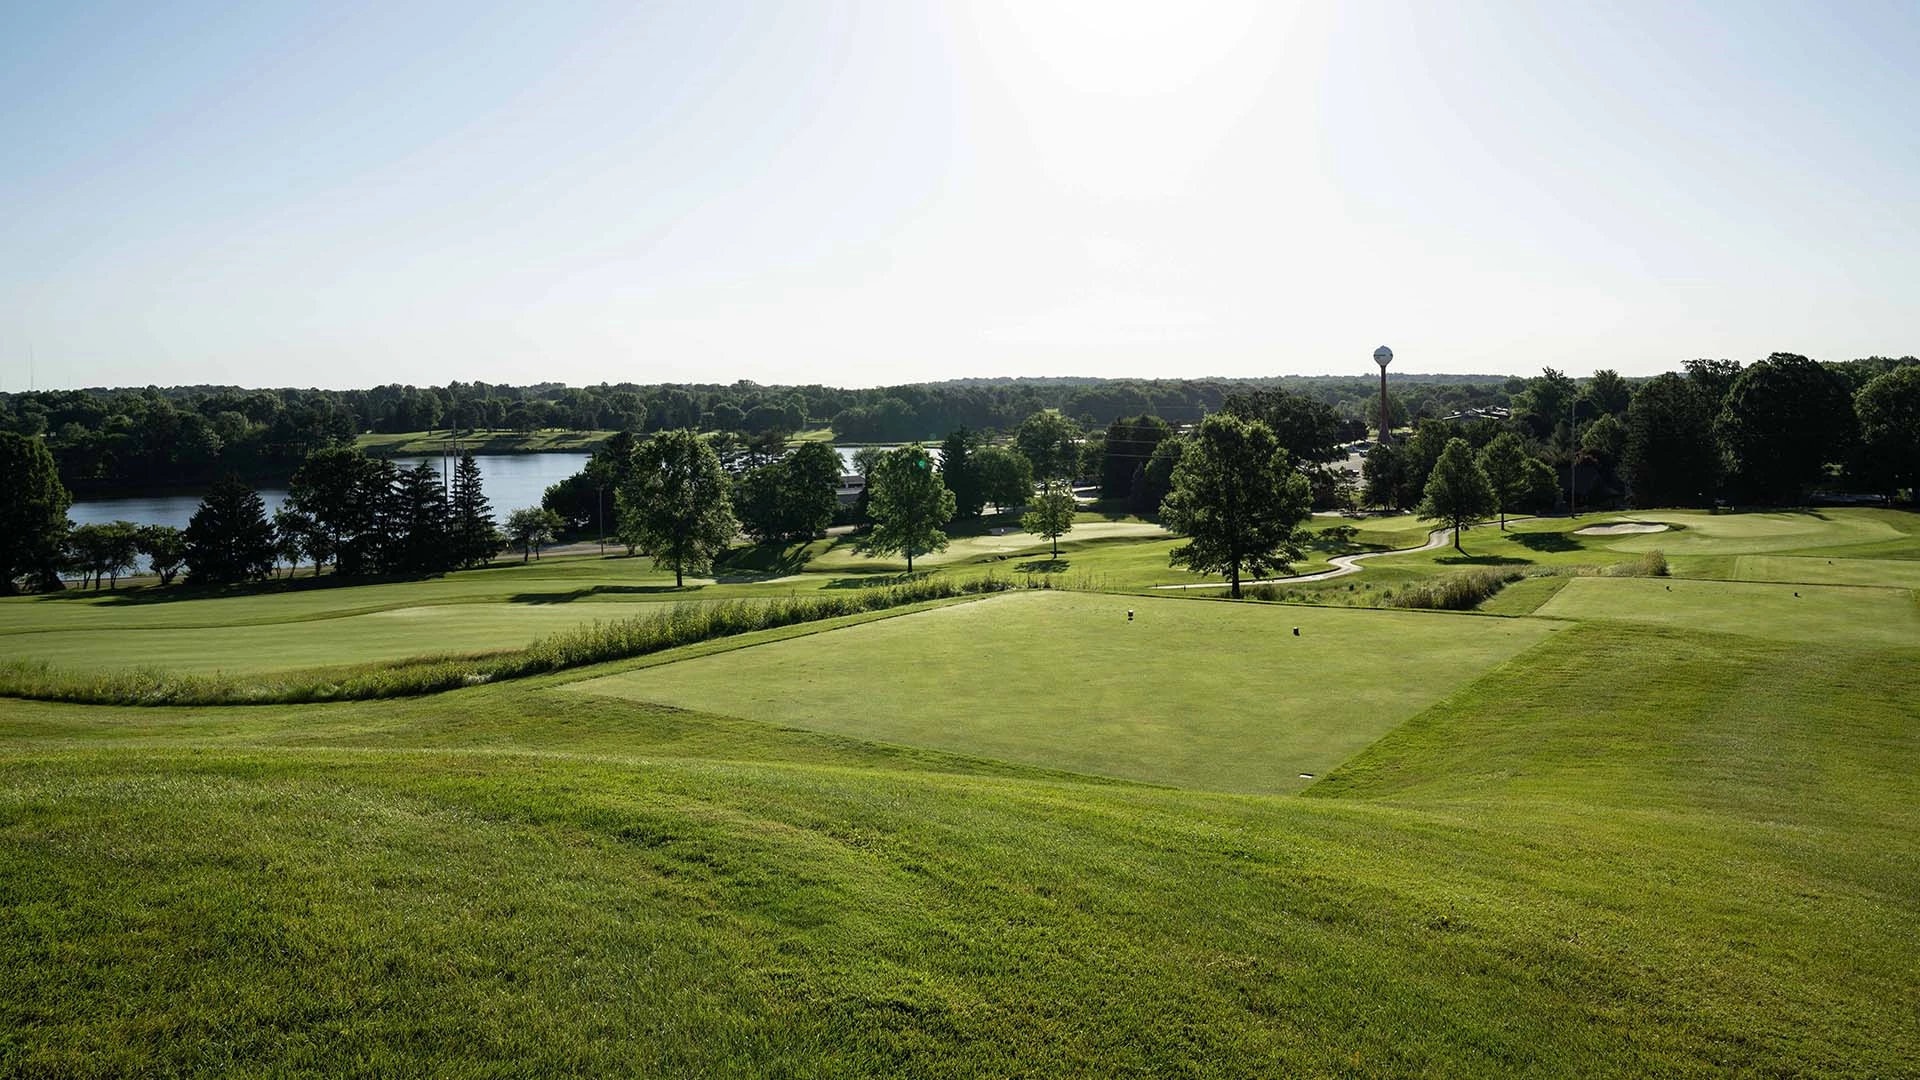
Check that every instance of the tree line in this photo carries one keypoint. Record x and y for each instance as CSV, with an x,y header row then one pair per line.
x,y
1769,433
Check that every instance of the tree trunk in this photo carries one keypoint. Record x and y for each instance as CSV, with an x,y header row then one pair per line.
x,y
679,579
1235,574
1456,539
1056,546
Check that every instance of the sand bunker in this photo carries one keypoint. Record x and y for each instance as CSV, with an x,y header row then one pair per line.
x,y
1621,528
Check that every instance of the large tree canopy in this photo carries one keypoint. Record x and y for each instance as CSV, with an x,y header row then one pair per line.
x,y
1671,456
33,513
1889,411
1784,420
908,503
678,504
1238,500
1050,442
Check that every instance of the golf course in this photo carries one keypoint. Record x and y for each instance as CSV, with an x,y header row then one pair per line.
x,y
1611,823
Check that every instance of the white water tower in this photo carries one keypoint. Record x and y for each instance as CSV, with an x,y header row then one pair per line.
x,y
1384,356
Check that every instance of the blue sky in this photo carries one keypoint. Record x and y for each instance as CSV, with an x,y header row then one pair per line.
x,y
349,194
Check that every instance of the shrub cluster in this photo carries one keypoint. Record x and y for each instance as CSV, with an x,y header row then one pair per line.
x,y
594,643
1457,592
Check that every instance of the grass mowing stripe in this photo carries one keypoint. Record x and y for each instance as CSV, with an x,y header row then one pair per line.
x,y
1006,678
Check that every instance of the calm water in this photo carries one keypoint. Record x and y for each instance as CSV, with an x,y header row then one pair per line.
x,y
846,455
511,481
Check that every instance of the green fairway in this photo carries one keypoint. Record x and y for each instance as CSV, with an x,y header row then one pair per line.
x,y
1665,829
1819,570
1192,693
1813,613
1663,881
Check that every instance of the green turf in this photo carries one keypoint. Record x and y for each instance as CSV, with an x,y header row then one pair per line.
x,y
1660,882
401,444
1812,613
1014,677
1663,833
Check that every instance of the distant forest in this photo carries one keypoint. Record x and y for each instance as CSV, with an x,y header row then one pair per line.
x,y
186,436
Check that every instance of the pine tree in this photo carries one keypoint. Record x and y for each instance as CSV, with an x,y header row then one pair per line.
x,y
424,546
475,540
229,538
33,513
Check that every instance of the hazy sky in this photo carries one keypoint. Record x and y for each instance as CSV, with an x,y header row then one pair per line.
x,y
347,193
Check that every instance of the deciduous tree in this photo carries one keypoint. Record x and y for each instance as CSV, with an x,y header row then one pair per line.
x,y
1784,420
679,503
1051,513
1505,462
909,504
1238,500
1889,411
1458,491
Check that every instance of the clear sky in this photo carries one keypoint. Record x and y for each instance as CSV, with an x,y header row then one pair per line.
x,y
348,193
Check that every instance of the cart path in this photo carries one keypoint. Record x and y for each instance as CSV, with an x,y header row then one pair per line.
x,y
1343,564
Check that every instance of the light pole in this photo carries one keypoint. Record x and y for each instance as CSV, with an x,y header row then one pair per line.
x,y
1384,356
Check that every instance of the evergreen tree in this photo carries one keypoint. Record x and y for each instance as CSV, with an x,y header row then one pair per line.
x,y
424,540
909,503
958,473
229,538
474,540
1458,491
1238,500
33,513
679,503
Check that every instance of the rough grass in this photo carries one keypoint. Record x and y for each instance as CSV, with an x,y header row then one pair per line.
x,y
668,627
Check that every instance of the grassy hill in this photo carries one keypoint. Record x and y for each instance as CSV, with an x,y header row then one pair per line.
x,y
1598,841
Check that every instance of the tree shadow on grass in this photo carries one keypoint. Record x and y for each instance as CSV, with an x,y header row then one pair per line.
x,y
597,590
1043,566
1546,541
873,581
1482,560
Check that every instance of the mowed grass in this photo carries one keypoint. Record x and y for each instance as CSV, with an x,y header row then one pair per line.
x,y
1707,868
1191,693
1784,612
390,635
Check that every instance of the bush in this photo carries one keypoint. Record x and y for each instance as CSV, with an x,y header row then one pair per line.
x,y
1456,592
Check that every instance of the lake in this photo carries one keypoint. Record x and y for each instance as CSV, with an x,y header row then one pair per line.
x,y
511,481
